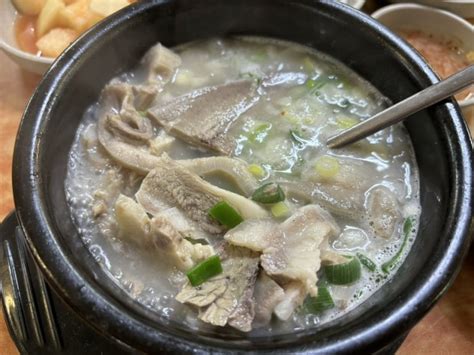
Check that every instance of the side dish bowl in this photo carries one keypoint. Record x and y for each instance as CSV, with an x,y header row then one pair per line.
x,y
440,139
434,21
27,61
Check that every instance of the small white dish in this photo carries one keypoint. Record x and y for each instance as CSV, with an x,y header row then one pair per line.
x,y
27,61
463,8
408,16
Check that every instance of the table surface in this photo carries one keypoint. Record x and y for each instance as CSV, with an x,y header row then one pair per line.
x,y
447,329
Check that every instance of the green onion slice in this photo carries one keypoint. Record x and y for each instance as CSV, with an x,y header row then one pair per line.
x,y
343,274
407,227
225,214
297,138
322,302
369,264
205,270
259,133
269,193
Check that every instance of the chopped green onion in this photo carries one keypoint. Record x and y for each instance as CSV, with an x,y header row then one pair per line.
x,y
369,264
252,76
197,241
407,227
346,122
297,138
343,274
315,84
327,167
225,214
310,83
259,133
280,210
322,302
293,119
256,170
320,82
205,270
269,193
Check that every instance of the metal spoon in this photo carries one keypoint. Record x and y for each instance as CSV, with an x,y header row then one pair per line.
x,y
405,108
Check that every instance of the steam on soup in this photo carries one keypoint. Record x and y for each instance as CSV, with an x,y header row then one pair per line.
x,y
201,182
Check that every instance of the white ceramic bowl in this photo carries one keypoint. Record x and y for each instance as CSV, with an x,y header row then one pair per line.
x,y
27,61
463,8
434,21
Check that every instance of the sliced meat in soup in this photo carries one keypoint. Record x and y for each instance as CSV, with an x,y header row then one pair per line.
x,y
228,297
204,116
170,184
202,183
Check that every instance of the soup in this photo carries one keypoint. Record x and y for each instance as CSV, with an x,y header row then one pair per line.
x,y
202,184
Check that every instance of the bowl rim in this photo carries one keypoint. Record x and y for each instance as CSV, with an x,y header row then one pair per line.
x,y
24,55
30,201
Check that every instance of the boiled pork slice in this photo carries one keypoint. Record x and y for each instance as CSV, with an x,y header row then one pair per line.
x,y
203,117
158,233
169,184
268,294
290,251
293,253
254,234
342,194
383,212
294,296
228,297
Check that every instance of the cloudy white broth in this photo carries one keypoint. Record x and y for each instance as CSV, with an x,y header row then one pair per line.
x,y
201,182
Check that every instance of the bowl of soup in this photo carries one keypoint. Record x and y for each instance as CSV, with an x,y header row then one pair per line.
x,y
174,185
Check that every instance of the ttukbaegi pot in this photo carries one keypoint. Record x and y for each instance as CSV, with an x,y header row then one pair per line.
x,y
440,139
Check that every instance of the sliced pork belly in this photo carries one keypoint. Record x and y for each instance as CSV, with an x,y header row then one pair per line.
x,y
293,253
290,251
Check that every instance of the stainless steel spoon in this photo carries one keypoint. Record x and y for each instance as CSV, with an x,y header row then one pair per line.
x,y
405,108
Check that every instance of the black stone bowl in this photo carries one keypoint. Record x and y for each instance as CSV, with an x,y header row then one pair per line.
x,y
440,139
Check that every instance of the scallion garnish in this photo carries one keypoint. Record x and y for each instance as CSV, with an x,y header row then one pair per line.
x,y
280,210
369,264
297,138
259,133
407,227
343,274
269,193
225,214
322,302
205,270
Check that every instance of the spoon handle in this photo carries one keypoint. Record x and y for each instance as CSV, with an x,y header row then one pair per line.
x,y
405,108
